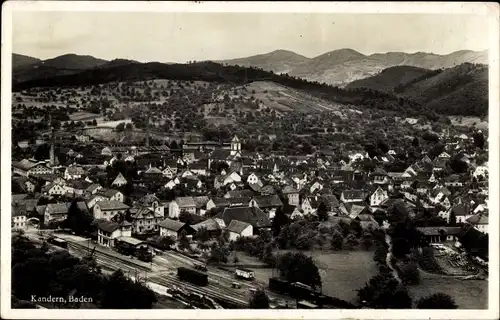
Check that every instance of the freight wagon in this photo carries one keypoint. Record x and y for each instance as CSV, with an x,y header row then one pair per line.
x,y
301,291
193,276
245,273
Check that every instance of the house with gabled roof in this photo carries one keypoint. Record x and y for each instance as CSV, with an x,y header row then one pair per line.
x,y
479,221
239,229
119,181
144,219
378,197
309,205
53,189
212,226
111,194
107,209
245,193
173,228
109,231
93,188
316,186
292,195
379,176
268,204
180,204
73,172
251,215
352,196
227,179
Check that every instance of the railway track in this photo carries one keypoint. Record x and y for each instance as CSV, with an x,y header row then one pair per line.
x,y
211,290
109,259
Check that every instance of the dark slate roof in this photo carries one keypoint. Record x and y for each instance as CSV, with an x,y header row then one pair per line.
x,y
108,226
170,224
268,201
254,216
240,193
353,194
237,226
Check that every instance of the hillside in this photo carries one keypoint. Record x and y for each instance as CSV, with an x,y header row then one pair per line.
x,y
58,66
340,67
22,60
278,61
459,90
390,78
73,61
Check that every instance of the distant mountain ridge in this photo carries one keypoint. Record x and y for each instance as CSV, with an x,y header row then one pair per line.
x,y
340,67
22,60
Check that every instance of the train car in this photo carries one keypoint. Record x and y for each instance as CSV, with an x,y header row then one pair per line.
x,y
245,273
58,242
126,248
193,276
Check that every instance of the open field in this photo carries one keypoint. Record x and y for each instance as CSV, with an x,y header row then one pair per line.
x,y
342,272
468,294
469,122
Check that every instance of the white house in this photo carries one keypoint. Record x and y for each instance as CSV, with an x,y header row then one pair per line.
x,y
53,189
479,221
379,196
112,195
109,231
444,155
73,172
119,181
253,179
480,171
316,186
108,209
309,206
292,195
239,229
224,180
181,204
173,228
19,217
95,199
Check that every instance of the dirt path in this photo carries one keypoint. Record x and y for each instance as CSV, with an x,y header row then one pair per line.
x,y
388,240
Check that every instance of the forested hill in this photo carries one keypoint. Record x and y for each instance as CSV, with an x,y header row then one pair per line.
x,y
215,72
390,78
460,90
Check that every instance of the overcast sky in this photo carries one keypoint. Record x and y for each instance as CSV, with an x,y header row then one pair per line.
x,y
180,37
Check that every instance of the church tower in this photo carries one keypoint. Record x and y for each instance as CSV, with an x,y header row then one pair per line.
x,y
235,146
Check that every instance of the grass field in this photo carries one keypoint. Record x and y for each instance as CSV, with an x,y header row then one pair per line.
x,y
342,273
468,294
469,122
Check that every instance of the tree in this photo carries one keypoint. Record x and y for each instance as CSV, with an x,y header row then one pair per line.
x,y
437,301
280,219
384,292
415,142
367,241
133,295
351,241
409,273
297,267
129,127
77,220
259,300
120,127
184,242
94,122
218,255
479,140
322,212
337,240
355,228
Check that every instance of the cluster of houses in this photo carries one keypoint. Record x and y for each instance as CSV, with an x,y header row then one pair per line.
x,y
241,192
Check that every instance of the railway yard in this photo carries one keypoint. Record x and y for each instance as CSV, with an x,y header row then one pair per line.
x,y
162,273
